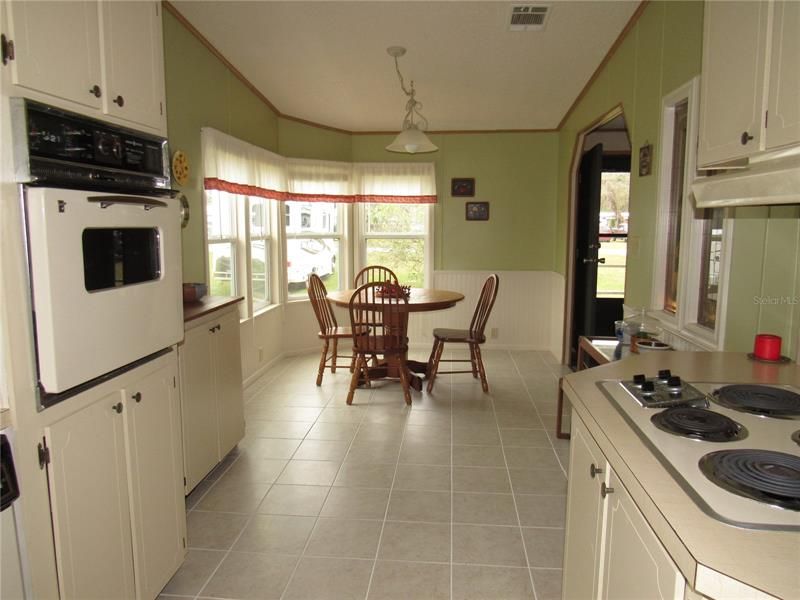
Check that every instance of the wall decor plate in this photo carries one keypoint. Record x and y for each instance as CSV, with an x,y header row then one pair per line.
x,y
180,167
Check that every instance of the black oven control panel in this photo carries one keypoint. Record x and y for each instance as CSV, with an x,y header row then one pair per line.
x,y
64,149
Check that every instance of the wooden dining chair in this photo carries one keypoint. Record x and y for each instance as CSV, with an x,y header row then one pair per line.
x,y
374,273
329,329
473,336
378,318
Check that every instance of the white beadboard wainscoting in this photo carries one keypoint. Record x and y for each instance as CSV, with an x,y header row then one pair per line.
x,y
528,315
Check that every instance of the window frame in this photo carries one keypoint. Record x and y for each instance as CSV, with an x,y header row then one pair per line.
x,y
684,321
361,236
241,259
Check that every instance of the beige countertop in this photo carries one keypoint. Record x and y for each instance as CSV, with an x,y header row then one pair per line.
x,y
701,546
206,305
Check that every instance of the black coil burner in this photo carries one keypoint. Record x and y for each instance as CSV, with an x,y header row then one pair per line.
x,y
699,424
762,475
760,400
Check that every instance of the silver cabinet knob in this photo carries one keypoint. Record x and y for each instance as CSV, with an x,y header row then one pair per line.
x,y
605,490
594,471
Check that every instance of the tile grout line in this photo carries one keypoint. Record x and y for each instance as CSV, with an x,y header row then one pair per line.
x,y
249,518
386,510
330,487
513,495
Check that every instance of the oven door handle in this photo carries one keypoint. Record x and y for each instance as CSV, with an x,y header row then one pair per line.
x,y
146,203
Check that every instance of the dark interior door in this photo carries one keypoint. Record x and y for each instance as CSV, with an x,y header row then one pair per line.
x,y
587,233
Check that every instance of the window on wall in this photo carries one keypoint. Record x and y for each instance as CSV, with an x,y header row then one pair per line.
x,y
397,236
692,246
240,251
313,245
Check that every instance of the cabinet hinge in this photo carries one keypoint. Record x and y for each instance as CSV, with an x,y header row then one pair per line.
x,y
6,48
184,542
44,454
184,482
766,118
174,382
161,108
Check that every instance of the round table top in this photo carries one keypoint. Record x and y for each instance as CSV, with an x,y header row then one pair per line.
x,y
420,299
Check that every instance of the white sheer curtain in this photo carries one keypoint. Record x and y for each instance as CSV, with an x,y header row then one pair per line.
x,y
404,183
320,180
232,165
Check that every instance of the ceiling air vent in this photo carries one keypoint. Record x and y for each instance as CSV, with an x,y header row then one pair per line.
x,y
528,17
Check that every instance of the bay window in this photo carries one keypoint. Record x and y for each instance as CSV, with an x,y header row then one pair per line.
x,y
313,245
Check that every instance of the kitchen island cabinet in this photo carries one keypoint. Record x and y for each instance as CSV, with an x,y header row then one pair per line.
x,y
651,509
212,404
115,475
108,62
609,545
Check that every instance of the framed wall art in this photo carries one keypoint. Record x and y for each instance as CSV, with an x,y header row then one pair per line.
x,y
462,187
477,211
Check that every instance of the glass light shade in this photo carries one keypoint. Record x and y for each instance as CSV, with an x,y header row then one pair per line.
x,y
412,141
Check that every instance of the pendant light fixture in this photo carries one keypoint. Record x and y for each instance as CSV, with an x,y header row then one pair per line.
x,y
411,139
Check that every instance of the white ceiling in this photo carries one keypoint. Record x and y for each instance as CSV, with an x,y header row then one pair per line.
x,y
326,61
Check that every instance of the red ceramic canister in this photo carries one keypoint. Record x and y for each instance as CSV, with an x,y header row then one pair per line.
x,y
767,346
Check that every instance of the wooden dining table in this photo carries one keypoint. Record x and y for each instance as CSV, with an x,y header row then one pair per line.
x,y
419,300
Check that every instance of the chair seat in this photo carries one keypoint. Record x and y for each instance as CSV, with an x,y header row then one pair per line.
x,y
464,336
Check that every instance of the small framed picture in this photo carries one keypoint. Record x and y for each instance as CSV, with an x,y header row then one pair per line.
x,y
477,211
645,160
462,186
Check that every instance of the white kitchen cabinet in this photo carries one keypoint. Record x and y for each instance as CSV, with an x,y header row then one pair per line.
x,y
635,564
585,514
750,66
212,403
610,551
108,59
115,477
783,124
69,69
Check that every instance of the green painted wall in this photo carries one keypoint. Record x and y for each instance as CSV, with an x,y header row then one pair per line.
x,y
660,53
514,172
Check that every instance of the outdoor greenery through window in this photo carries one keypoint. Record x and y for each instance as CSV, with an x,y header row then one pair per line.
x,y
221,226
313,245
614,192
395,236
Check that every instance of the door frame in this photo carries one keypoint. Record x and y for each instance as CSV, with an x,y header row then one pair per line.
x,y
572,199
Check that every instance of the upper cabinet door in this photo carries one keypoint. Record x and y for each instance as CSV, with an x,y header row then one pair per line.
x,y
57,49
133,62
783,123
733,80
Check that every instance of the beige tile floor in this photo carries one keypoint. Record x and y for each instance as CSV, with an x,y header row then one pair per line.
x,y
461,495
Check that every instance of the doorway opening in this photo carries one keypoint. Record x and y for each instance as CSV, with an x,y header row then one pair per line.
x,y
599,231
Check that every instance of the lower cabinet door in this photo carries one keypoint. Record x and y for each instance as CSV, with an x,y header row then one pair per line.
x,y
636,565
156,479
89,501
230,405
198,404
582,548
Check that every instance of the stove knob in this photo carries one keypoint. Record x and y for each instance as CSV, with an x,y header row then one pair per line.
x,y
648,388
664,374
674,381
639,379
